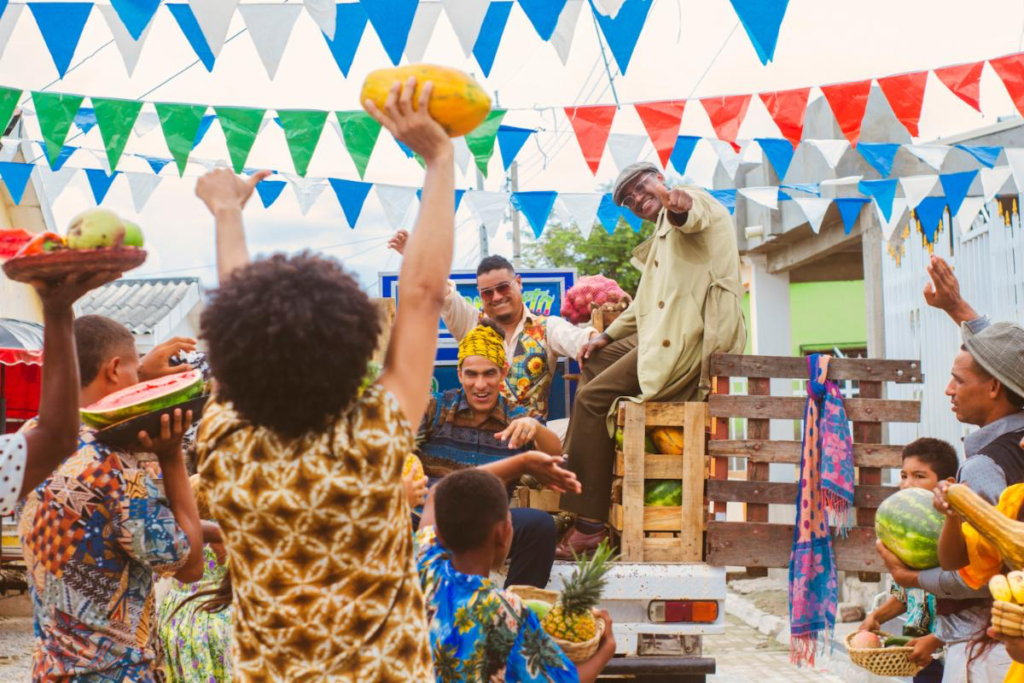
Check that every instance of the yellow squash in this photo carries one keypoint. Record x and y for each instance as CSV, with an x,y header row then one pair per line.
x,y
1006,534
458,102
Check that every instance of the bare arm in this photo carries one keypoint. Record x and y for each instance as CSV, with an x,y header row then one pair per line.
x,y
428,256
952,546
226,194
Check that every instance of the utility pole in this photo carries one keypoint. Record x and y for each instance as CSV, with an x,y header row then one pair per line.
x,y
514,185
484,246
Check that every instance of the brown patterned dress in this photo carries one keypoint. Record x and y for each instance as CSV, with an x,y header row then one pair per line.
x,y
319,546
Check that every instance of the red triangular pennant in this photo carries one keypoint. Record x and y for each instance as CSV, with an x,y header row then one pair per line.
x,y
787,108
661,120
592,125
965,82
848,102
906,95
726,114
1011,72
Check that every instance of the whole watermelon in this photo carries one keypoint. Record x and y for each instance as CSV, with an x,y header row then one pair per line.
x,y
663,492
908,524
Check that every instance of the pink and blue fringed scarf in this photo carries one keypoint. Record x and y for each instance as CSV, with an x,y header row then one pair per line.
x,y
824,501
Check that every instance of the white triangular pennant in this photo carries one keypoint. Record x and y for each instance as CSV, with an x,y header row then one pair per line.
x,y
488,208
625,149
768,197
845,180
422,28
101,157
396,202
899,209
147,121
814,209
916,188
142,186
7,21
968,212
750,152
832,150
565,29
466,16
582,208
1015,157
325,14
727,155
462,154
129,48
307,191
270,26
992,181
609,7
214,19
933,155
53,182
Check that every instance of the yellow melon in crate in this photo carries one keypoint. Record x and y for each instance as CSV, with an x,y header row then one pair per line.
x,y
458,102
669,440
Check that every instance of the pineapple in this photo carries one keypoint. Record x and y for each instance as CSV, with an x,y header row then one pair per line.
x,y
572,617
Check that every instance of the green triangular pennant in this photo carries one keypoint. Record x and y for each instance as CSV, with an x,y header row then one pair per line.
x,y
55,112
180,123
481,140
240,126
360,131
8,101
302,129
115,119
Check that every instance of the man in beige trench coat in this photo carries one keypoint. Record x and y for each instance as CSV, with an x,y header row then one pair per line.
x,y
687,307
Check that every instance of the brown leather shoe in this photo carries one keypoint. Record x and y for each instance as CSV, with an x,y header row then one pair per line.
x,y
580,543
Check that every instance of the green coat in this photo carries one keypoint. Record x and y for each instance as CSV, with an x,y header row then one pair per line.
x,y
687,306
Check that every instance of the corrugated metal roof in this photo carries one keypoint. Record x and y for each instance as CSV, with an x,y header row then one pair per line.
x,y
140,304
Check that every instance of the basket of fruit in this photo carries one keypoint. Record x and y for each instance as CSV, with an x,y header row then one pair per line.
x,y
569,617
1007,609
881,654
98,241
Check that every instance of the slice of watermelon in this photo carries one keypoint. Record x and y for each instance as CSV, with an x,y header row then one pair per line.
x,y
11,241
144,397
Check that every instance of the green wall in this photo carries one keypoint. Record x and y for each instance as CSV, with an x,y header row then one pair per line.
x,y
822,314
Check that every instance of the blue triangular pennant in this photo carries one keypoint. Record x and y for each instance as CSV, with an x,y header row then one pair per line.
x,y
536,206
783,197
3,6
405,149
986,155
100,182
351,194
849,210
458,197
880,155
156,163
61,24
956,186
608,213
85,119
391,19
682,152
631,218
269,191
15,176
779,153
65,152
189,26
511,140
349,26
761,19
882,191
809,188
623,31
543,14
726,198
929,213
491,30
204,126
135,14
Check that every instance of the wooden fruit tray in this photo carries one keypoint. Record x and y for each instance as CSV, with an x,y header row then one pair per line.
x,y
58,264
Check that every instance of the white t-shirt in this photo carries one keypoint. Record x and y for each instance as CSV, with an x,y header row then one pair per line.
x,y
13,449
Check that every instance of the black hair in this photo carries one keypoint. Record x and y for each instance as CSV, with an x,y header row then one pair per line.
x,y
467,505
495,262
289,339
97,340
939,455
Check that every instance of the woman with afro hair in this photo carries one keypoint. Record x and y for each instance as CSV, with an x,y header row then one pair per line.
x,y
302,471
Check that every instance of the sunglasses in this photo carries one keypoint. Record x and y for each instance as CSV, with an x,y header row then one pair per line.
x,y
502,290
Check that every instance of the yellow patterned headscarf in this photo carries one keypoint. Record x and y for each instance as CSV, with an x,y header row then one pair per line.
x,y
483,341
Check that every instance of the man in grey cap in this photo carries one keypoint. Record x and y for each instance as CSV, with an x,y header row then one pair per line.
x,y
686,308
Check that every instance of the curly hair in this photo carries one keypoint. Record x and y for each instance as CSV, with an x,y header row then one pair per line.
x,y
289,338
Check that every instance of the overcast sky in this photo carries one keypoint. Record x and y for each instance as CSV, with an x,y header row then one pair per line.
x,y
820,43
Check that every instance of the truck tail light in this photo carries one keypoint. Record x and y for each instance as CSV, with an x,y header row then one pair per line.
x,y
676,611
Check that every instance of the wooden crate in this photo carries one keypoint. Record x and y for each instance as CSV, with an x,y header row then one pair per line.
x,y
756,544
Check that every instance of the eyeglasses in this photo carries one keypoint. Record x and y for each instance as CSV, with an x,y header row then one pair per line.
x,y
502,290
638,194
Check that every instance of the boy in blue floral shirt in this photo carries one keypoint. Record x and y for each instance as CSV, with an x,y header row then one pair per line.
x,y
479,633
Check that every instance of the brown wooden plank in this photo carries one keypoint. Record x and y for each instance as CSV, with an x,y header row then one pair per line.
x,y
655,466
632,524
663,550
794,367
864,454
792,408
660,414
694,509
744,544
719,431
779,493
757,472
541,500
664,518
867,432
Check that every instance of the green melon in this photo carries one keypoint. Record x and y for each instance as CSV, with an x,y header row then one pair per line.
x,y
539,607
649,446
663,492
144,397
908,524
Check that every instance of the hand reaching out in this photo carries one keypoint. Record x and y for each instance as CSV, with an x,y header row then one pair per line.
x,y
943,292
157,363
411,123
221,189
676,201
398,241
519,432
548,470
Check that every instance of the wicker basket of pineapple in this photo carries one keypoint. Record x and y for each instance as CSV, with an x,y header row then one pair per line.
x,y
569,617
1007,609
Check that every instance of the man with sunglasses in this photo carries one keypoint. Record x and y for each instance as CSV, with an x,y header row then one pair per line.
x,y
533,343
686,308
